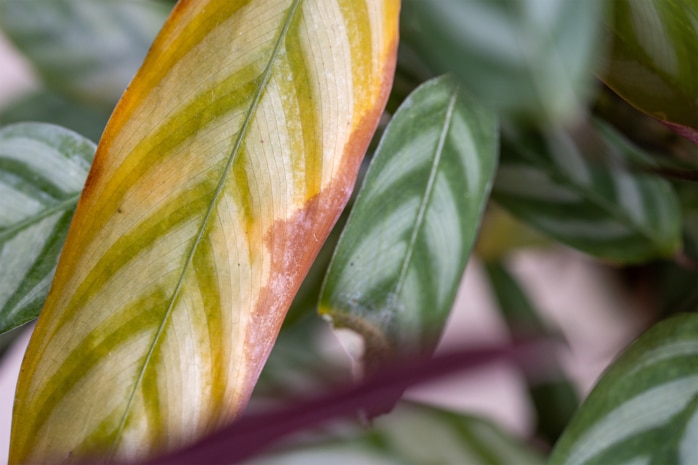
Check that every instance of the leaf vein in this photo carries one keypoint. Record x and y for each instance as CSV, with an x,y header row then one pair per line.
x,y
266,76
419,221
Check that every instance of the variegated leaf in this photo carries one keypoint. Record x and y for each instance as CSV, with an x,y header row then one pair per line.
x,y
217,179
401,256
585,195
42,171
644,410
652,62
81,48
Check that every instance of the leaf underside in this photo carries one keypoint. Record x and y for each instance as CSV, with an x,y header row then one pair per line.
x,y
444,438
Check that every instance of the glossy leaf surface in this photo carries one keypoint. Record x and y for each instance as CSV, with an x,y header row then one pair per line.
x,y
652,62
584,194
42,171
401,256
81,48
528,58
645,407
217,179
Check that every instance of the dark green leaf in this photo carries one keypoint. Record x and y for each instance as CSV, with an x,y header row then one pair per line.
x,y
47,107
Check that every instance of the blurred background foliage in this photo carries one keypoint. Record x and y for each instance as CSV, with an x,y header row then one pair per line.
x,y
598,103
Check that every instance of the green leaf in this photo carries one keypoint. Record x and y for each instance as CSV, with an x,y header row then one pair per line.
x,y
644,410
414,435
582,194
652,62
530,58
84,49
400,258
42,171
554,398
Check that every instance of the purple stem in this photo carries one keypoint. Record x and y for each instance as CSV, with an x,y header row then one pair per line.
x,y
253,433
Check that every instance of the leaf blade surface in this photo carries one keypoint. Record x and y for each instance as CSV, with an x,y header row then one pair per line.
x,y
644,408
221,172
401,256
652,61
445,437
586,195
42,170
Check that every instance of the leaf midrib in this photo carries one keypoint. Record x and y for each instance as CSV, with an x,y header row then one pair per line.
x,y
64,205
266,76
593,197
426,199
616,211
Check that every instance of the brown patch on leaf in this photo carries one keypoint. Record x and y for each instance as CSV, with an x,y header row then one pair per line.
x,y
294,243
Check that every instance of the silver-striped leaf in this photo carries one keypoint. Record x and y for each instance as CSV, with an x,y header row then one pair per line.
x,y
85,49
644,410
42,171
587,196
401,256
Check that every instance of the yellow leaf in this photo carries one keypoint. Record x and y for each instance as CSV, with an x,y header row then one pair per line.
x,y
221,172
